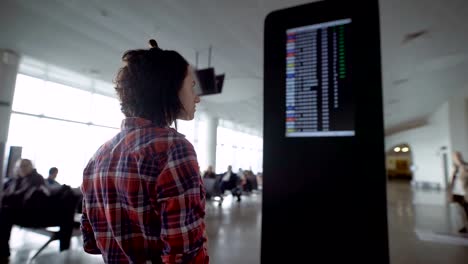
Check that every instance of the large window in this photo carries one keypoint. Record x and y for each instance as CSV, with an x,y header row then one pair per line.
x,y
239,149
235,146
195,132
60,126
28,95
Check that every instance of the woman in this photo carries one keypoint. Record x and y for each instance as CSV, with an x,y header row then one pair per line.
x,y
458,186
143,197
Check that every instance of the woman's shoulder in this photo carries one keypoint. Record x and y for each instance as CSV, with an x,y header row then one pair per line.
x,y
182,146
178,138
164,142
166,134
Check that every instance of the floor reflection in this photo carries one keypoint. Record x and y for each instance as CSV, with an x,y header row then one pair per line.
x,y
423,229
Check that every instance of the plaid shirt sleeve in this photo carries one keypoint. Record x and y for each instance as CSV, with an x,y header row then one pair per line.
x,y
89,242
181,204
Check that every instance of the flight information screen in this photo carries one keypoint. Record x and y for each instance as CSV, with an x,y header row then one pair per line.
x,y
319,94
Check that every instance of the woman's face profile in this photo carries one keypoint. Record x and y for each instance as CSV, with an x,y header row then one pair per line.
x,y
188,96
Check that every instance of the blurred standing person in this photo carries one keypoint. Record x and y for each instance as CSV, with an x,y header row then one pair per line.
x,y
458,186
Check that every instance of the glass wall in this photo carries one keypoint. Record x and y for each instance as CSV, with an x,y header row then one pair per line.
x,y
195,132
239,149
61,126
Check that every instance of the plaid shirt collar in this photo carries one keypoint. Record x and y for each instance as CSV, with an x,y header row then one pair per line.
x,y
138,123
135,122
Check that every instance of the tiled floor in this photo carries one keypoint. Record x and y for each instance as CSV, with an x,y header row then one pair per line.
x,y
234,232
425,212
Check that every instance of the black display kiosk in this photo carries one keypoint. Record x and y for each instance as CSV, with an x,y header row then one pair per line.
x,y
324,192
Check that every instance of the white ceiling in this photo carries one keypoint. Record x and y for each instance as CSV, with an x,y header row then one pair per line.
x,y
90,36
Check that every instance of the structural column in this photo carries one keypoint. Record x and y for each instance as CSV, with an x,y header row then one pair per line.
x,y
458,114
9,63
211,136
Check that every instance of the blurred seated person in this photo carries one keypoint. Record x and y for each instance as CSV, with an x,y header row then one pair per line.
x,y
52,176
229,181
23,184
259,180
209,173
241,176
53,184
240,173
28,202
250,181
210,183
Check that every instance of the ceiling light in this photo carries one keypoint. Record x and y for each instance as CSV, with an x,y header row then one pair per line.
x,y
414,35
400,81
405,149
393,101
95,72
103,12
397,149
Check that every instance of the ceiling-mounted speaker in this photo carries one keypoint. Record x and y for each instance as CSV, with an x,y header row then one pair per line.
x,y
219,83
209,82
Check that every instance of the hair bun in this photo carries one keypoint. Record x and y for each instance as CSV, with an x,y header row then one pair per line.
x,y
153,44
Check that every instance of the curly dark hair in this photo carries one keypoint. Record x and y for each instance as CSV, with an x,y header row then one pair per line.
x,y
148,85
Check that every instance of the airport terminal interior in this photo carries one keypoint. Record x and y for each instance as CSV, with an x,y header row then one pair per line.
x,y
59,58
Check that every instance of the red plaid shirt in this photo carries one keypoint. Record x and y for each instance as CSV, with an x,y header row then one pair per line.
x,y
143,198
